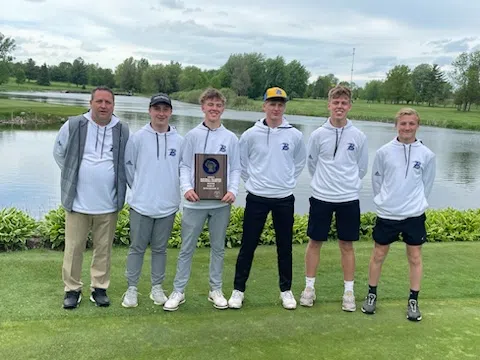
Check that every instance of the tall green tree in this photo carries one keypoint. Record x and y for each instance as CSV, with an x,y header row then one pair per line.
x,y
31,70
61,72
192,78
373,91
466,78
297,79
126,75
173,70
156,79
7,46
398,86
79,75
20,76
43,76
275,72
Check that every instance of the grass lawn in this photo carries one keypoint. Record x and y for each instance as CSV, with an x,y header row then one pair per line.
x,y
11,85
361,110
33,111
34,326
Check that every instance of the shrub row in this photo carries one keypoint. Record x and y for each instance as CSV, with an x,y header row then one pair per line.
x,y
17,228
233,100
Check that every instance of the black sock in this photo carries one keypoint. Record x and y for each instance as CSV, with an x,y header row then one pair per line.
x,y
372,289
413,295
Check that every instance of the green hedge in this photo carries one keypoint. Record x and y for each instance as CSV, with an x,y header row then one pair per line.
x,y
17,227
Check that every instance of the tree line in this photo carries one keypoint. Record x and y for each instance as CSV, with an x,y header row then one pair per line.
x,y
249,74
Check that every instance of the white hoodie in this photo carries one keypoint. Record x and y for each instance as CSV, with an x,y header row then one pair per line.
x,y
402,179
203,140
272,159
152,168
337,161
96,176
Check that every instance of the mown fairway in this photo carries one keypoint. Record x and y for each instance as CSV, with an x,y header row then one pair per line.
x,y
34,326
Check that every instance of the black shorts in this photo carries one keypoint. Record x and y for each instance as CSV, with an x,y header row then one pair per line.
x,y
412,229
347,219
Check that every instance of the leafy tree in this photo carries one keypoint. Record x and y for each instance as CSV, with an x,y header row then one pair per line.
x,y
373,89
79,75
4,72
20,76
156,79
61,72
466,78
31,70
126,75
7,46
173,70
398,86
43,76
275,72
297,79
192,78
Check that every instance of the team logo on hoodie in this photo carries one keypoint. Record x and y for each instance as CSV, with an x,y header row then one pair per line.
x,y
417,164
223,148
285,146
172,152
351,147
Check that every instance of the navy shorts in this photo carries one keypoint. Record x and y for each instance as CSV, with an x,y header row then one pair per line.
x,y
412,229
347,219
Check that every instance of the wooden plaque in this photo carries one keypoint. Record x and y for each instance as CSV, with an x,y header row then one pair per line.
x,y
210,176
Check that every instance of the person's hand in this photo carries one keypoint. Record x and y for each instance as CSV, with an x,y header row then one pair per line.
x,y
191,196
229,198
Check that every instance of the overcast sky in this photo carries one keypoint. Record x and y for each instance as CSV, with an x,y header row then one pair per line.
x,y
320,34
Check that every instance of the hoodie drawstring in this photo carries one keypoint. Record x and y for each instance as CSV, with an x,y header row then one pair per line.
x,y
158,148
268,137
165,153
103,140
407,159
206,139
337,141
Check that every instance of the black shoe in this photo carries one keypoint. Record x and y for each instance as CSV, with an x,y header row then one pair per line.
x,y
99,297
72,299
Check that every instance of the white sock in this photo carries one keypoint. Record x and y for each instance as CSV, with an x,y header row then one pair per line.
x,y
348,285
310,282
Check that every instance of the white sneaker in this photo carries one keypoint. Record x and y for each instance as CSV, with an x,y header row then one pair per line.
x,y
158,295
308,297
288,300
218,300
236,300
174,301
130,297
348,303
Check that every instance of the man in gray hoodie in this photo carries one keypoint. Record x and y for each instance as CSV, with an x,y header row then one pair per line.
x,y
90,149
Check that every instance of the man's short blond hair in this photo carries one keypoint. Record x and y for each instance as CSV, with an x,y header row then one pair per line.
x,y
339,91
406,111
212,93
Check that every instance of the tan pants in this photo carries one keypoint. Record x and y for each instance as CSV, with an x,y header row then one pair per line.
x,y
77,227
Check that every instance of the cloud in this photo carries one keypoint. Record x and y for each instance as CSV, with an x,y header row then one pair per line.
x,y
90,47
36,1
191,11
379,64
172,4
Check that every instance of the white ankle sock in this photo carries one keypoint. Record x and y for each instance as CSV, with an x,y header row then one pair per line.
x,y
348,285
310,282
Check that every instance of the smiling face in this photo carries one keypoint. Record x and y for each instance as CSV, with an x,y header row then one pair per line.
x,y
213,109
274,110
159,116
102,104
407,126
339,108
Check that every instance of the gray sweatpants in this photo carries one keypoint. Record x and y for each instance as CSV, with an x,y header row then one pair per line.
x,y
145,230
192,226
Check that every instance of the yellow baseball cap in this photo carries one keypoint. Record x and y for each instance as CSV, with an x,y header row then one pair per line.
x,y
275,92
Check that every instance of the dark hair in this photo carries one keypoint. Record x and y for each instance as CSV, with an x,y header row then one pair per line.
x,y
102,88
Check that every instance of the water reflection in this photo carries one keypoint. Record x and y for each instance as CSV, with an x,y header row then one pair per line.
x,y
29,177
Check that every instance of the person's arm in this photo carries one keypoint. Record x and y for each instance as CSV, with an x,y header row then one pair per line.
x,y
312,155
243,149
377,174
429,176
60,146
186,170
130,161
234,167
300,156
363,160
